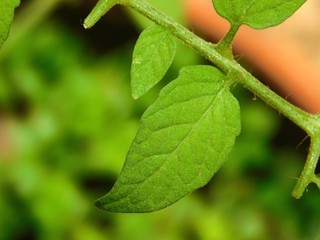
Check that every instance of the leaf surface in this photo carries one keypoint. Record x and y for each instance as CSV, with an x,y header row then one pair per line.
x,y
257,14
152,56
6,16
184,138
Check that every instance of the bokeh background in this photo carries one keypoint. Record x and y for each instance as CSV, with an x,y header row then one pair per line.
x,y
67,120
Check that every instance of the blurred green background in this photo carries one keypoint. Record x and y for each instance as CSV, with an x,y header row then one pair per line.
x,y
67,120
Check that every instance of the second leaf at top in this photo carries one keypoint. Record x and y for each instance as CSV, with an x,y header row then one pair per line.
x,y
152,56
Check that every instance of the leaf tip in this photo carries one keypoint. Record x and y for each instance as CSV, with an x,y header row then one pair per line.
x,y
135,96
98,204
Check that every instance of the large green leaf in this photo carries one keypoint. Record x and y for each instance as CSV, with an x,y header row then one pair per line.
x,y
152,56
257,14
6,16
184,138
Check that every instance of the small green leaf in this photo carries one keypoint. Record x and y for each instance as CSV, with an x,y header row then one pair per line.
x,y
257,14
6,16
152,56
184,138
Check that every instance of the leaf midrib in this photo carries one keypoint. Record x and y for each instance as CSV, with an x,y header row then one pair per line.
x,y
178,146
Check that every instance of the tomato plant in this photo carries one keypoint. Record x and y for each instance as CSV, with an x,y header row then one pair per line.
x,y
187,133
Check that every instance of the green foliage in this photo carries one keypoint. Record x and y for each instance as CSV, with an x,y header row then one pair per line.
x,y
257,14
67,120
184,138
6,16
154,158
152,56
186,135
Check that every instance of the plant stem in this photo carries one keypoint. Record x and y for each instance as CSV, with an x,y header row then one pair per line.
x,y
298,116
308,176
225,45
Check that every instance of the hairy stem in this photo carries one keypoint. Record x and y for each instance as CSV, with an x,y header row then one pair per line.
x,y
308,175
225,45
